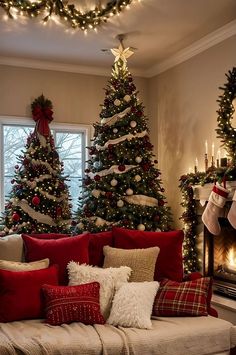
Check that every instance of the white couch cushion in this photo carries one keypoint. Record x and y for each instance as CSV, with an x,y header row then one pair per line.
x,y
11,247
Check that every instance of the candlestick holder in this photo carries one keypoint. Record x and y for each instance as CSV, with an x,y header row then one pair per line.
x,y
217,163
206,162
195,169
212,162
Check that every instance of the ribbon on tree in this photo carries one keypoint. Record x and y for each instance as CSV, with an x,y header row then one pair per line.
x,y
42,114
127,137
142,200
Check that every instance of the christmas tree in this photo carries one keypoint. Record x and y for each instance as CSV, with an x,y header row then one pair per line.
x,y
122,185
39,199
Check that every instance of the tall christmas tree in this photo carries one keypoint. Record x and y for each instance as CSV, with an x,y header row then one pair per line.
x,y
122,185
39,200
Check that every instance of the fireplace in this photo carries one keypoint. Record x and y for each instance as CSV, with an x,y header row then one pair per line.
x,y
219,259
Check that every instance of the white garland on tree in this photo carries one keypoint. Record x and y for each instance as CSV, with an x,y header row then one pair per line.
x,y
37,162
52,197
98,221
127,137
142,200
109,121
41,218
113,169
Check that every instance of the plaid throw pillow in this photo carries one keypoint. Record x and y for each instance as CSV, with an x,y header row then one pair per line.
x,y
182,298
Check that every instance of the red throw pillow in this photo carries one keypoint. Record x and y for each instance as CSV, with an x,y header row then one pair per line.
x,y
96,243
169,262
48,235
182,299
59,251
20,293
66,304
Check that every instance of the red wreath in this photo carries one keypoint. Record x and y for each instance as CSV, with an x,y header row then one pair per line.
x,y
42,114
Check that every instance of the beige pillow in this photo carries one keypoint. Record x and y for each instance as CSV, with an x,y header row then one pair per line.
x,y
141,261
11,247
17,266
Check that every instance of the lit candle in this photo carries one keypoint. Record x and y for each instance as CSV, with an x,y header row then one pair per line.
x,y
196,162
213,150
218,154
206,147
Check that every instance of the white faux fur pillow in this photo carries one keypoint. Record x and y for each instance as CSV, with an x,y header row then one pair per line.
x,y
132,305
110,279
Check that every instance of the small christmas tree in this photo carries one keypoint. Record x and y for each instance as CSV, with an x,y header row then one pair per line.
x,y
39,200
122,185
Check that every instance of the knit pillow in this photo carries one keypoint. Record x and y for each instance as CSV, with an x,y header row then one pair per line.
x,y
17,266
182,299
66,304
109,280
132,305
141,261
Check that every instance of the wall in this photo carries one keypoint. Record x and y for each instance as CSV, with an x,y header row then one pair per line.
x,y
182,110
76,97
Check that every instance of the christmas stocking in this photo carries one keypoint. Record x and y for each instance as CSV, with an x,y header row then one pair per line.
x,y
232,212
211,213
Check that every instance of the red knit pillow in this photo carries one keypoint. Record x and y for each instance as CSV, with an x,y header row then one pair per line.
x,y
20,293
59,251
182,299
66,304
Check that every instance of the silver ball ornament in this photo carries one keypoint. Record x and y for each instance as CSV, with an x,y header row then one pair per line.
x,y
138,160
114,182
133,124
129,192
141,227
137,178
120,203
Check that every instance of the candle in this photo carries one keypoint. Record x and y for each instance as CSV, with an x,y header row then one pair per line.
x,y
213,150
196,162
196,166
218,154
206,147
218,158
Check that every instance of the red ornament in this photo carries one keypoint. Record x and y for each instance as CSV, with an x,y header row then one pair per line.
x,y
97,177
15,217
161,202
110,146
16,166
12,181
156,218
58,211
121,167
109,194
155,161
87,171
162,189
35,200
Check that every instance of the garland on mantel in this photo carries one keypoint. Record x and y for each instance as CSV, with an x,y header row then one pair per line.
x,y
190,217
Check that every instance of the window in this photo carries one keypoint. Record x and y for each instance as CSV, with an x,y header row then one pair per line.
x,y
70,142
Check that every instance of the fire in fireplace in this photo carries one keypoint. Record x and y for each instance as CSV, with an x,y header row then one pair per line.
x,y
220,258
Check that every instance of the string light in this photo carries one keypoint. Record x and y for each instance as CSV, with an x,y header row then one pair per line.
x,y
68,13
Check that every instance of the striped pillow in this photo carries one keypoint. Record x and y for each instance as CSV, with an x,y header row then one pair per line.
x,y
182,298
67,304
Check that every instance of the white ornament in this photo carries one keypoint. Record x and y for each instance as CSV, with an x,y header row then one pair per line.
x,y
141,227
137,178
133,124
120,203
117,102
127,98
114,182
138,160
80,226
115,130
129,192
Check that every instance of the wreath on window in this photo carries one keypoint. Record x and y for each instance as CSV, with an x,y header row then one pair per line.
x,y
226,130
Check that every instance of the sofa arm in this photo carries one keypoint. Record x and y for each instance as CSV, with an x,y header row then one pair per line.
x,y
196,275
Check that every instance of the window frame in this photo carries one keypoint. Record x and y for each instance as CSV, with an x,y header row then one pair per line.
x,y
57,126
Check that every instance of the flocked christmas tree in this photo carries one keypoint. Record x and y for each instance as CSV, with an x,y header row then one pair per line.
x,y
122,185
39,200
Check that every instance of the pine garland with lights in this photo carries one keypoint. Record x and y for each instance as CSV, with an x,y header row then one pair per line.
x,y
39,200
66,11
225,131
122,185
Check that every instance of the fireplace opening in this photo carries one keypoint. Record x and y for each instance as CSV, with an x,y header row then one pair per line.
x,y
220,259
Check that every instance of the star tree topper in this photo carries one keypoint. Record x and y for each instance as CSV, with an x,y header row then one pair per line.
x,y
122,54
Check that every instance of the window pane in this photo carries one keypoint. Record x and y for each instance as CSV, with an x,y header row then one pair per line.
x,y
14,140
69,146
75,191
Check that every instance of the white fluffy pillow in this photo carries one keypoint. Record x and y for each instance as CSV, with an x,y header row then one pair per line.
x,y
110,279
132,305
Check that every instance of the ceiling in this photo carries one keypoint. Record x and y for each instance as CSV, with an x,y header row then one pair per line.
x,y
159,29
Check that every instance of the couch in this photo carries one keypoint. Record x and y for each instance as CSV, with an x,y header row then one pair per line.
x,y
168,335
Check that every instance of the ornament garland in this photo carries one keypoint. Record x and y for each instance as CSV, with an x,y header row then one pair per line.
x,y
67,12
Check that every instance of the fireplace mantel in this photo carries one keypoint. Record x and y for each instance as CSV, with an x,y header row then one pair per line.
x,y
202,193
